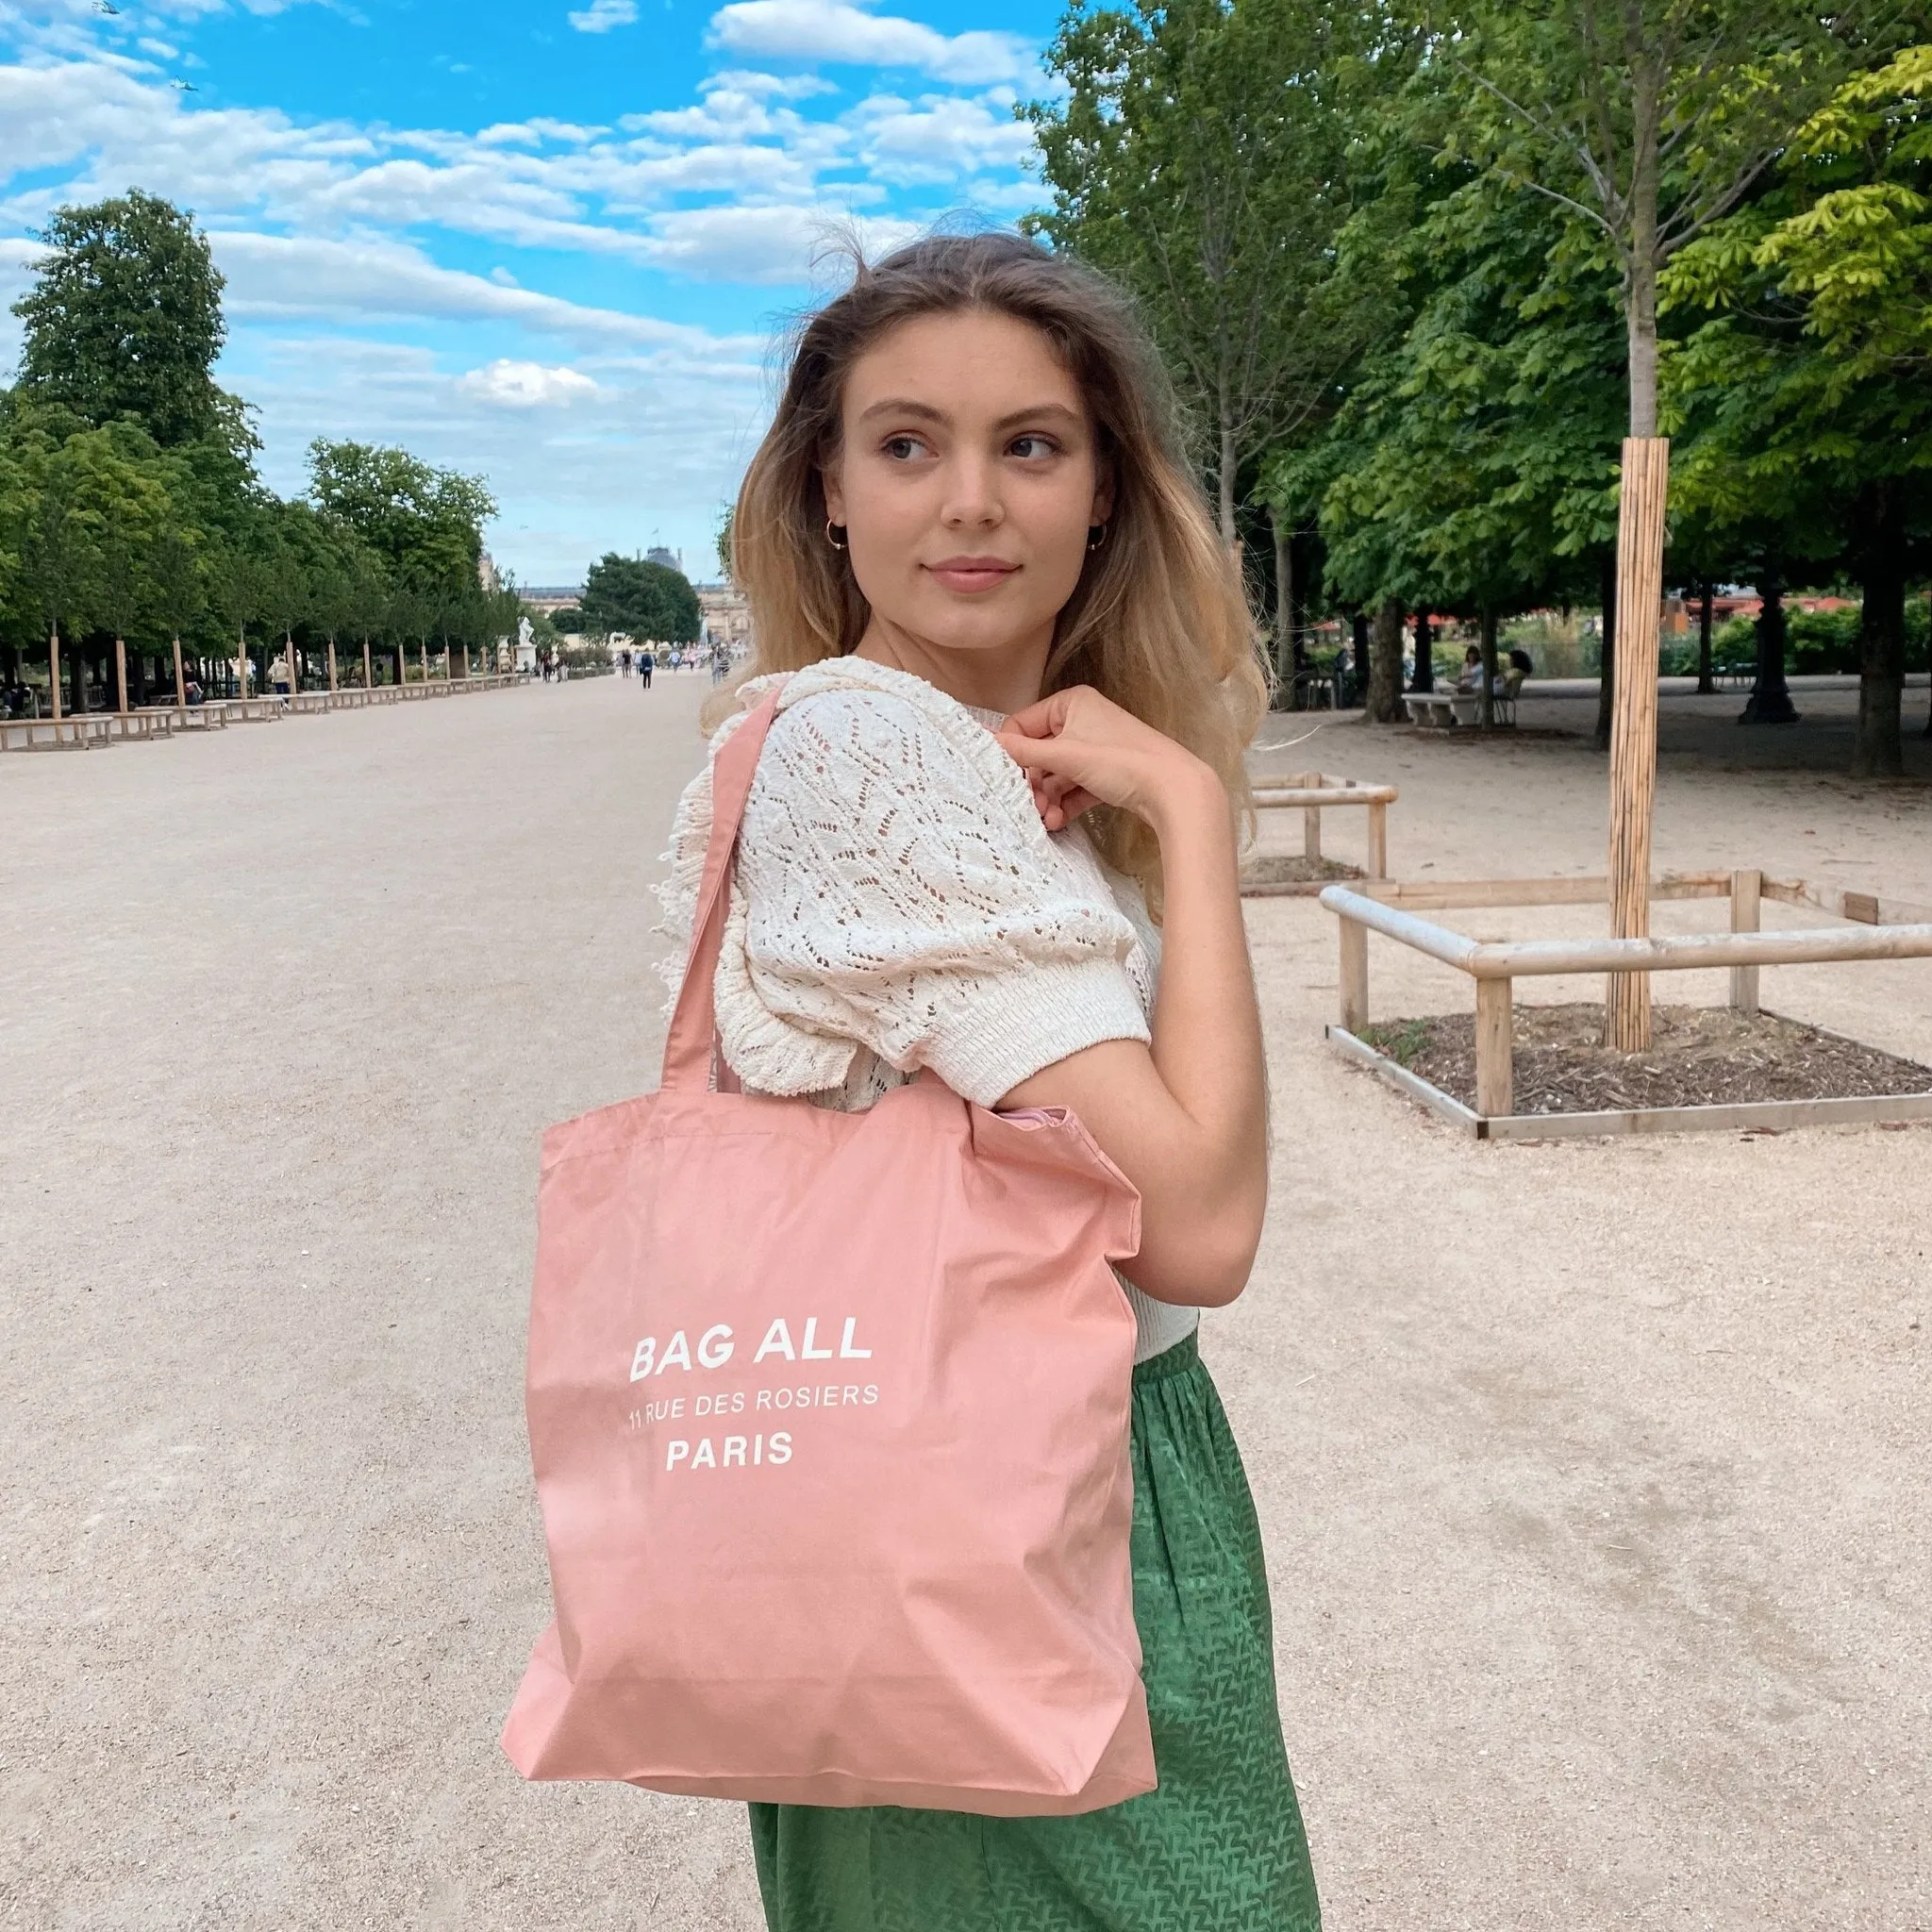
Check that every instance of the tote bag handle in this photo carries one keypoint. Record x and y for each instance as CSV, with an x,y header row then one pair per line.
x,y
693,1033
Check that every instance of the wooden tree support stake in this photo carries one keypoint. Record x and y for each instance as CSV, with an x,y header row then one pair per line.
x,y
1633,730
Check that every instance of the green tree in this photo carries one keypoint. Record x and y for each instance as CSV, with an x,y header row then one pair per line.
x,y
1647,120
642,600
125,318
1198,157
425,523
1798,397
1472,468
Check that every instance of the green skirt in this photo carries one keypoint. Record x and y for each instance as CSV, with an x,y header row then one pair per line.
x,y
1219,1844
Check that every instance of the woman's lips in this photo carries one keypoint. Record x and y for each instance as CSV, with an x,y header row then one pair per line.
x,y
970,574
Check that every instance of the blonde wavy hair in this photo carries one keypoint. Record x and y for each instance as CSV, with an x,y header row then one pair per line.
x,y
1157,621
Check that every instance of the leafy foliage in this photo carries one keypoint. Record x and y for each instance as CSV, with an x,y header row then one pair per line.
x,y
125,319
642,600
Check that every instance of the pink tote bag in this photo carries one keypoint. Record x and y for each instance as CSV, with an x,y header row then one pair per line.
x,y
829,1420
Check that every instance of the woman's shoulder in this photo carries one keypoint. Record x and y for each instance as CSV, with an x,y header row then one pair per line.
x,y
849,730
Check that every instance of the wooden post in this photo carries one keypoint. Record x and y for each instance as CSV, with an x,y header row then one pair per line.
x,y
180,684
1633,727
1495,1071
332,665
368,670
1746,889
1354,975
466,663
120,675
53,668
1378,842
1311,834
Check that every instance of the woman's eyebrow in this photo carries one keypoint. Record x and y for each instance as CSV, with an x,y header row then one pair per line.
x,y
904,406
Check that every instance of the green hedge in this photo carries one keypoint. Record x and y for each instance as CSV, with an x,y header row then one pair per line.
x,y
1818,641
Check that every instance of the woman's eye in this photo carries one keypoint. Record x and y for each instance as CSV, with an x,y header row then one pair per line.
x,y
903,448
1030,447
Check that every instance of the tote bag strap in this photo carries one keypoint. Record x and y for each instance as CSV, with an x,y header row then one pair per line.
x,y
689,1043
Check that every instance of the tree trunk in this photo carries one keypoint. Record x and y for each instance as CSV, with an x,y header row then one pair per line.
x,y
1358,653
1227,485
1640,288
1877,752
400,663
1771,696
121,674
1425,653
54,667
1606,691
1706,680
180,681
1282,529
1384,704
1485,714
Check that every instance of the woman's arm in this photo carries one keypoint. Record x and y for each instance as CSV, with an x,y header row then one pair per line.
x,y
1186,1119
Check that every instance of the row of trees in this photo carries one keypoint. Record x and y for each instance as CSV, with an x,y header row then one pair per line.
x,y
131,513
1419,275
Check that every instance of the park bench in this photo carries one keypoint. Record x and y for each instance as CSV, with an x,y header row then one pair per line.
x,y
1432,708
1446,709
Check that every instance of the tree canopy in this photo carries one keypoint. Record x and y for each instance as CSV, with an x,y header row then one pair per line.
x,y
640,599
1418,275
125,319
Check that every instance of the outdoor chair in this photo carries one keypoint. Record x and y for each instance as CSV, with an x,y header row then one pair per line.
x,y
1503,700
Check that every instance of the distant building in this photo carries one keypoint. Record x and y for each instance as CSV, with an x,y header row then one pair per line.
x,y
727,616
671,559
486,572
551,597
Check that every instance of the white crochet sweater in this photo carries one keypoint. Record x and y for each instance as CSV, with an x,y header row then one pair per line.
x,y
898,904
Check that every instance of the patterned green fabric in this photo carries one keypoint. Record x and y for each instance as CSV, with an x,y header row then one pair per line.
x,y
1219,1844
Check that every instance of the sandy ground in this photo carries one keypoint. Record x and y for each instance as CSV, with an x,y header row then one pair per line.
x,y
1594,1476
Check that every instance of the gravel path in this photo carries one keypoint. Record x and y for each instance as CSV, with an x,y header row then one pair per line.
x,y
1594,1476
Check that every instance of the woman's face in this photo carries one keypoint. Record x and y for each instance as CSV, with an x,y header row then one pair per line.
x,y
966,479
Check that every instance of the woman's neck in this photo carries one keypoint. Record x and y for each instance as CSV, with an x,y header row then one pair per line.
x,y
986,677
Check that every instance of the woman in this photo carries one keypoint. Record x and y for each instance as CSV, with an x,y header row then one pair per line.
x,y
1021,682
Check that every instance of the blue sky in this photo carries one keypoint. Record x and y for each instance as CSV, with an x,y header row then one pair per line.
x,y
547,242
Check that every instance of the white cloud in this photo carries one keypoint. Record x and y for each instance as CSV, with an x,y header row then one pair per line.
x,y
784,87
527,385
602,15
832,30
280,278
764,244
941,137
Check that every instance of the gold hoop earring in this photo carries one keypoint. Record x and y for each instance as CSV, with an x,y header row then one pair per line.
x,y
833,540
1096,536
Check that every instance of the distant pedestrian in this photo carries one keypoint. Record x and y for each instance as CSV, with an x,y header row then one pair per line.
x,y
647,663
624,662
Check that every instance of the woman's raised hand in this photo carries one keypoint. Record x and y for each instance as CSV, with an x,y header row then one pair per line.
x,y
1079,749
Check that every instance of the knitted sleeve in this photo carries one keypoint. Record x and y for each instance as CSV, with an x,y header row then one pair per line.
x,y
898,891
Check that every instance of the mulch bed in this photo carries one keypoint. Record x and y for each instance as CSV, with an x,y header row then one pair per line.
x,y
1699,1055
1280,872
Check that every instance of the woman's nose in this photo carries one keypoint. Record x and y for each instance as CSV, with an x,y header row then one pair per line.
x,y
972,494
